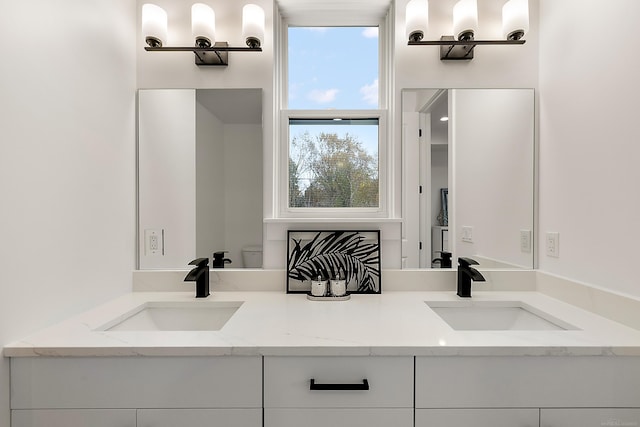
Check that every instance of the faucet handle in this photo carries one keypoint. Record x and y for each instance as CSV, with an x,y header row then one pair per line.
x,y
200,262
466,262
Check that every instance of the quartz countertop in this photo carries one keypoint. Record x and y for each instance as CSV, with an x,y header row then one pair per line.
x,y
397,323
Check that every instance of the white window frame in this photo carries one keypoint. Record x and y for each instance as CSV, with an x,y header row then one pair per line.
x,y
293,212
381,113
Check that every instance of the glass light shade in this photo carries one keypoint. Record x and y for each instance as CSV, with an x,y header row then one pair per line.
x,y
154,24
253,25
203,24
417,19
465,18
515,19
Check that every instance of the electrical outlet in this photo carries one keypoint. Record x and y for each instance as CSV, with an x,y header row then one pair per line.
x,y
525,241
553,244
154,241
467,234
154,244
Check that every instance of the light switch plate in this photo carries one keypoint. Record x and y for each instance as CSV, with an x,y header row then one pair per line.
x,y
525,241
467,234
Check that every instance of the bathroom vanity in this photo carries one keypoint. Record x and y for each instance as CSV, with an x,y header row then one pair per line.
x,y
377,360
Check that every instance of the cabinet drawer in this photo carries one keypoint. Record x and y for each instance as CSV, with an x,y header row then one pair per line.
x,y
199,417
74,418
287,382
338,417
527,382
601,417
136,382
477,417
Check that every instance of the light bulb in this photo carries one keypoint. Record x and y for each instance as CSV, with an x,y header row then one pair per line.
x,y
203,25
253,25
515,19
154,25
465,19
417,19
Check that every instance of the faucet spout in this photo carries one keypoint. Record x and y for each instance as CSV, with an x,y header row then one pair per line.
x,y
200,275
466,274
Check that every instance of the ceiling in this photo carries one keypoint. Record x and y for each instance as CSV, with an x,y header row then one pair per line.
x,y
233,106
333,12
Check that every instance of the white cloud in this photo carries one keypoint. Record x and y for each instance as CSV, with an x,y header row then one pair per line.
x,y
370,93
322,96
317,29
370,32
294,88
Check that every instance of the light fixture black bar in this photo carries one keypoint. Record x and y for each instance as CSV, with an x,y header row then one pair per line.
x,y
463,42
203,49
216,55
452,49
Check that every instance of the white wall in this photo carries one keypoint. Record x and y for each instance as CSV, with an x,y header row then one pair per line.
x,y
167,175
243,189
589,136
67,162
493,66
210,183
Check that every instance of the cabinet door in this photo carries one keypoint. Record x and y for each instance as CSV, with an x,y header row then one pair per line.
x,y
527,382
590,417
477,417
136,382
200,417
73,418
338,417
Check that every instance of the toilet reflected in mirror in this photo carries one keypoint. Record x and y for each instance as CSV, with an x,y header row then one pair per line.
x,y
252,256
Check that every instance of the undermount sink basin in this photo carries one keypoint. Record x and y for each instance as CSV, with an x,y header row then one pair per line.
x,y
176,316
495,316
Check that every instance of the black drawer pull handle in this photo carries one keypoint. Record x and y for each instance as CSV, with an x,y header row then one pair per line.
x,y
314,386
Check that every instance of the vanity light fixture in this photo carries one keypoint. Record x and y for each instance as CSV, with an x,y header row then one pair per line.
x,y
207,50
515,24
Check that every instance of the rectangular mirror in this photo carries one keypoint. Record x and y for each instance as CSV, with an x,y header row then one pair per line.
x,y
468,173
199,176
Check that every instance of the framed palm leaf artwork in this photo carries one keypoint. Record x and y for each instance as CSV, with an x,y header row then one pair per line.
x,y
353,255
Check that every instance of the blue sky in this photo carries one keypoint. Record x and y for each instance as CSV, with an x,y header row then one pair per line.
x,y
335,68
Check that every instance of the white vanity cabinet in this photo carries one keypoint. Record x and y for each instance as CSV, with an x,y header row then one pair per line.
x,y
201,391
73,418
597,417
346,391
477,417
199,417
511,391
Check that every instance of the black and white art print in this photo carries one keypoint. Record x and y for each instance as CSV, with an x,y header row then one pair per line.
x,y
313,254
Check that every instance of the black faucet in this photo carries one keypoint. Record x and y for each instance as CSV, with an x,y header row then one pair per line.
x,y
219,260
200,275
466,274
444,260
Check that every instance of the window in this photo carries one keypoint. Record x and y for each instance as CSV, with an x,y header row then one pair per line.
x,y
333,163
332,124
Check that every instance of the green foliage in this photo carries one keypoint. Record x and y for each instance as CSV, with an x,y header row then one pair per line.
x,y
339,171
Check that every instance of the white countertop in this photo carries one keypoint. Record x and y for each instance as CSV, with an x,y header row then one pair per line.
x,y
397,323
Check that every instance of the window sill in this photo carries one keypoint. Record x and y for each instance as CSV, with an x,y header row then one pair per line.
x,y
331,220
